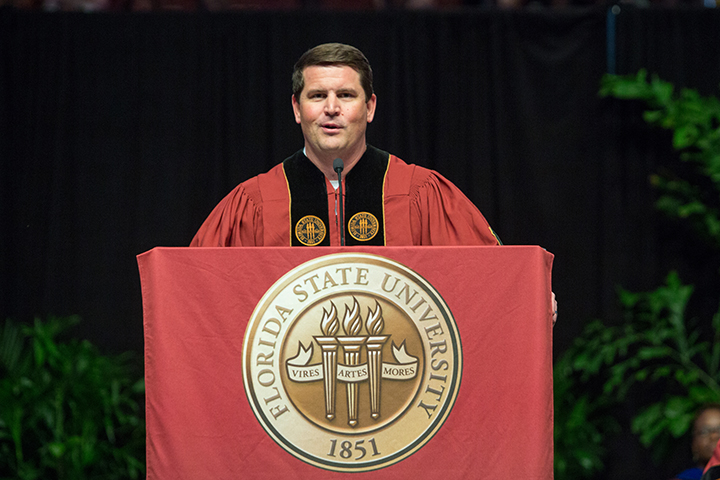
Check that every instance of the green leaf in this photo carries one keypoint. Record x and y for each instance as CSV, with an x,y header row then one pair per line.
x,y
57,449
685,136
649,353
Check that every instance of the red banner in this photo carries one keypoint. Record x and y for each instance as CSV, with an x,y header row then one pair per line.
x,y
201,423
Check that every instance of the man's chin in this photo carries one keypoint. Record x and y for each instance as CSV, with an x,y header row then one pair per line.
x,y
332,148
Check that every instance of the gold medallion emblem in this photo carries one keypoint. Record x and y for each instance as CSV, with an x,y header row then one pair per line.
x,y
363,226
310,230
351,362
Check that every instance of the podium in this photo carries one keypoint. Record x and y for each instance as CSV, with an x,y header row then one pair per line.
x,y
203,424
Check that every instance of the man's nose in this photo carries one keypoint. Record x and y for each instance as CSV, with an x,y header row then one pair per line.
x,y
332,105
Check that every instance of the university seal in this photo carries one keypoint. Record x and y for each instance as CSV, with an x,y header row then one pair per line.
x,y
351,362
363,226
310,230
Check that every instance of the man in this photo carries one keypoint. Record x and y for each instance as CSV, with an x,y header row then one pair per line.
x,y
712,433
705,435
387,202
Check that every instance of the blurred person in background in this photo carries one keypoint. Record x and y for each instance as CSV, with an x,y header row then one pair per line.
x,y
705,436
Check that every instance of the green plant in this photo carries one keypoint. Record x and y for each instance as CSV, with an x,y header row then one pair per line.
x,y
655,359
669,348
695,123
67,411
654,347
582,421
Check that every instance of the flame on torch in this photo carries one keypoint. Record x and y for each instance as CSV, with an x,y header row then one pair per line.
x,y
329,324
375,323
352,323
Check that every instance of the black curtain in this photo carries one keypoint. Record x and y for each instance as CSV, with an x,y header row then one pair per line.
x,y
120,132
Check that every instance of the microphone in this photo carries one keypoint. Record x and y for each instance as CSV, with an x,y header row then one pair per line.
x,y
339,166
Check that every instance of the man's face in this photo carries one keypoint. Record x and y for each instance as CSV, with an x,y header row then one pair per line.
x,y
706,433
332,111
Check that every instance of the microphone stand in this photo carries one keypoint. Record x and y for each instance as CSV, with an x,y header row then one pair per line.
x,y
339,166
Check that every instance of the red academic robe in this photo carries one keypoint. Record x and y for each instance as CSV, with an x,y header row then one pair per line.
x,y
712,470
420,207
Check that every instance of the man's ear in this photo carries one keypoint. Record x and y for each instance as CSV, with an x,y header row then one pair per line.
x,y
296,109
371,104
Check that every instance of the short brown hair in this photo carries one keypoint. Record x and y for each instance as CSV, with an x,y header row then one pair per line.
x,y
704,408
333,54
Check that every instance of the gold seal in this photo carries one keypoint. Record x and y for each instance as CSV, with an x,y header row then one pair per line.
x,y
363,226
351,362
310,230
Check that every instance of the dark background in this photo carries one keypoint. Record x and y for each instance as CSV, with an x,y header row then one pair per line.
x,y
119,132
